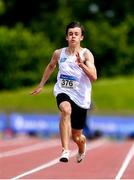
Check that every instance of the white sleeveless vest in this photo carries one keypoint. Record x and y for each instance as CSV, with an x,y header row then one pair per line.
x,y
72,80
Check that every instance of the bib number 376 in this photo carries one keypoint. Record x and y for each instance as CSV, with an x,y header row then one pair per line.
x,y
67,83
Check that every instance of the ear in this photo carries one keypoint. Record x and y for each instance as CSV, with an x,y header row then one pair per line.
x,y
82,37
66,38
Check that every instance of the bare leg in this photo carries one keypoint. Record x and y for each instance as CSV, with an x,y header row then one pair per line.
x,y
79,139
65,127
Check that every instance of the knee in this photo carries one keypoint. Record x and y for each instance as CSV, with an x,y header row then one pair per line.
x,y
65,108
78,138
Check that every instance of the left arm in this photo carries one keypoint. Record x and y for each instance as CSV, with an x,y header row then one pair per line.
x,y
88,65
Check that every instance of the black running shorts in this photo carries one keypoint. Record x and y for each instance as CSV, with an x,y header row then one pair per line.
x,y
78,115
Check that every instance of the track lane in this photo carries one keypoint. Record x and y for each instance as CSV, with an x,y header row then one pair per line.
x,y
127,168
17,142
102,162
23,160
106,162
45,170
129,173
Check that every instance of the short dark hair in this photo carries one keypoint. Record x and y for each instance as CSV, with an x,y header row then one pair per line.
x,y
75,24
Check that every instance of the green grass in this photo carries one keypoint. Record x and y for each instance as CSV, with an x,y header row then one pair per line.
x,y
114,96
21,101
110,96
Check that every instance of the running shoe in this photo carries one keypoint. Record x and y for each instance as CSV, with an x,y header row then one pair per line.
x,y
65,156
81,156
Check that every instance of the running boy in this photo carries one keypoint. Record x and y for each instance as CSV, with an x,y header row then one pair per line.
x,y
72,89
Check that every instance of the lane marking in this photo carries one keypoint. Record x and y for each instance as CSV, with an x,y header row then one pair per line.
x,y
16,141
27,149
56,160
126,162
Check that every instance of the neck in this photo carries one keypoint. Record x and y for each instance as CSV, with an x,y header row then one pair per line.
x,y
73,50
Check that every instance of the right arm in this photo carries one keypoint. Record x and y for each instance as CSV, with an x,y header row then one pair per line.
x,y
48,71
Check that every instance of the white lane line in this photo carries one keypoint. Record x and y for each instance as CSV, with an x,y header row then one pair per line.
x,y
125,163
90,146
27,149
16,141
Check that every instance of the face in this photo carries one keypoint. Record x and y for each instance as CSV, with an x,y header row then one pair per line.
x,y
74,36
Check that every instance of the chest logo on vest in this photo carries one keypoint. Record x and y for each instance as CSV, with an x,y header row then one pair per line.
x,y
63,60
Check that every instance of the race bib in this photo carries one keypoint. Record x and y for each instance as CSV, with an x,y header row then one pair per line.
x,y
67,81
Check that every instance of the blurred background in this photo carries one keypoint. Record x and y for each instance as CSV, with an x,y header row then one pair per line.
x,y
29,33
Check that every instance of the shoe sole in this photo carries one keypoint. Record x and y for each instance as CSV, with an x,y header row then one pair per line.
x,y
63,160
78,161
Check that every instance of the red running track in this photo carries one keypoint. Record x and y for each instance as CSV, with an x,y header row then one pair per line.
x,y
35,158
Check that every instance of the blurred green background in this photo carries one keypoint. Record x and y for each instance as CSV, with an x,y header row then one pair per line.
x,y
31,30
